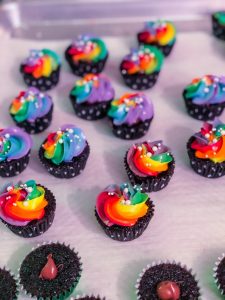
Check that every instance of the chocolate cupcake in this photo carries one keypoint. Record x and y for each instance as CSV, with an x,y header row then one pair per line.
x,y
41,69
218,24
150,165
219,273
27,209
205,97
65,152
123,212
161,34
8,285
15,147
32,110
131,116
51,271
206,150
167,281
140,69
86,297
91,96
87,54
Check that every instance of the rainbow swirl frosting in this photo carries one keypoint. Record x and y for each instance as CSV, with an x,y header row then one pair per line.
x,y
14,144
87,48
209,89
121,205
209,143
145,59
22,203
160,33
92,89
41,63
131,109
30,105
220,16
149,158
65,144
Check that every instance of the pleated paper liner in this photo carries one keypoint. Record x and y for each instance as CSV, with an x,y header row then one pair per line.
x,y
218,273
9,288
218,29
87,297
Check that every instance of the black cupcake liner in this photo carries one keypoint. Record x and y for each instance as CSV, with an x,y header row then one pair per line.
x,y
43,83
66,169
66,281
8,285
132,132
39,125
126,233
203,112
90,112
204,167
150,277
83,67
87,297
37,227
218,30
166,50
14,167
151,183
140,81
219,273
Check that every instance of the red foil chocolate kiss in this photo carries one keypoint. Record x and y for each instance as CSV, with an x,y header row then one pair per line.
x,y
50,270
168,290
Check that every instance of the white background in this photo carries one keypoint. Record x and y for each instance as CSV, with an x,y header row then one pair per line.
x,y
189,220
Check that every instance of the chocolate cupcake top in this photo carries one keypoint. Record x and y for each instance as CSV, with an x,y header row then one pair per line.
x,y
121,205
209,143
220,17
160,32
167,281
219,273
149,158
88,48
30,105
50,271
22,203
14,144
143,60
65,144
93,88
130,109
41,63
8,285
207,90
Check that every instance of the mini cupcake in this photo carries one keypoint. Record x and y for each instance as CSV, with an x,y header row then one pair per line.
x,y
218,24
64,153
91,96
167,281
205,97
140,69
51,271
32,110
131,115
161,34
150,165
87,54
41,69
219,273
27,209
206,150
8,285
15,146
123,212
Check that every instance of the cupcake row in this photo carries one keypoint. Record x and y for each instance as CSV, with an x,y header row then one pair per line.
x,y
53,270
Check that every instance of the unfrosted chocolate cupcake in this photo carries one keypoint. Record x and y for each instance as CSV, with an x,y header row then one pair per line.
x,y
167,281
8,285
218,24
51,271
219,273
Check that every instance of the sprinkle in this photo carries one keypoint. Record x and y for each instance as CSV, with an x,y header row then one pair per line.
x,y
154,148
123,201
25,203
8,198
207,135
9,188
222,132
139,148
60,141
149,154
14,204
126,190
128,202
214,140
206,90
7,135
30,189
